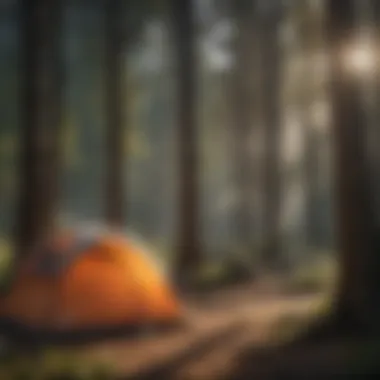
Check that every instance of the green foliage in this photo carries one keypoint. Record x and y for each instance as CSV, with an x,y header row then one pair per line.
x,y
7,145
102,372
54,365
5,263
8,151
220,273
315,276
294,324
289,326
150,109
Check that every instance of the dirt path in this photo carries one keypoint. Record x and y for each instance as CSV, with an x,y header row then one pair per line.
x,y
219,329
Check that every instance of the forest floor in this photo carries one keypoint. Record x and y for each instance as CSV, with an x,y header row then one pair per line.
x,y
222,326
244,332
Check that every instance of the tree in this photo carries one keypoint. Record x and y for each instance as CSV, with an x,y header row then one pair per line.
x,y
241,101
356,306
124,22
188,254
271,106
39,164
370,11
309,31
114,113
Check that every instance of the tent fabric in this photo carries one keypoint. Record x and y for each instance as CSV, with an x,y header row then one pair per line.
x,y
54,259
100,282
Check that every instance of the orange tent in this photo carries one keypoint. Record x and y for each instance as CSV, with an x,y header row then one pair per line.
x,y
80,282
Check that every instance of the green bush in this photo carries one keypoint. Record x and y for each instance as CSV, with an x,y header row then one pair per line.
x,y
317,276
226,272
293,324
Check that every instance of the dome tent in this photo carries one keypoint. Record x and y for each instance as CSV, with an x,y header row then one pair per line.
x,y
84,281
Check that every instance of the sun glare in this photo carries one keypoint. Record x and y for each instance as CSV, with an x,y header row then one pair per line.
x,y
360,58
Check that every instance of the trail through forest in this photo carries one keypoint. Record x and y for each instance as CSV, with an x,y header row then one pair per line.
x,y
219,328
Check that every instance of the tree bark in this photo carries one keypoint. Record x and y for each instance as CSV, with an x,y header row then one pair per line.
x,y
271,103
358,284
188,250
311,185
242,121
39,165
309,30
372,19
115,134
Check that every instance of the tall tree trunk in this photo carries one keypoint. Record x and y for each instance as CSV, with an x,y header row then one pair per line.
x,y
41,122
114,60
358,285
188,254
242,121
371,16
271,103
309,30
311,184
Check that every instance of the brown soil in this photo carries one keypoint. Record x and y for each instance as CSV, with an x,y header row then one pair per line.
x,y
221,327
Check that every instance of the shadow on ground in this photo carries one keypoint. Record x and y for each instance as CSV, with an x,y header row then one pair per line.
x,y
295,359
340,358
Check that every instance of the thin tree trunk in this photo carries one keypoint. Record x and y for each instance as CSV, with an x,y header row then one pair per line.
x,y
39,164
271,103
357,300
188,254
242,121
311,185
372,19
114,60
310,36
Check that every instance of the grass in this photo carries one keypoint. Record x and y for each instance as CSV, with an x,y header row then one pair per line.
x,y
5,263
220,273
5,255
292,325
49,364
316,276
53,365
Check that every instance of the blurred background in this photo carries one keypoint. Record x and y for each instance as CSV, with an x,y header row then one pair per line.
x,y
233,126
207,128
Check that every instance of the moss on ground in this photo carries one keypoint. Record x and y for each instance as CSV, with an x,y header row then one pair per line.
x,y
53,365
